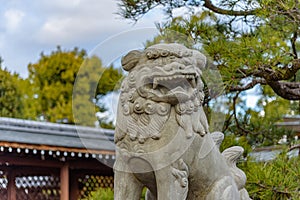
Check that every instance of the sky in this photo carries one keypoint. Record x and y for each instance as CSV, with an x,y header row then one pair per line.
x,y
29,27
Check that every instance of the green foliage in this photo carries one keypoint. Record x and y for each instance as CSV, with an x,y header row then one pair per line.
x,y
258,124
232,140
238,54
277,179
110,80
106,125
10,95
257,46
51,82
30,102
53,77
101,194
270,109
106,194
93,81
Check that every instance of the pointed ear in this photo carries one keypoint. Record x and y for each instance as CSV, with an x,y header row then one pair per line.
x,y
130,60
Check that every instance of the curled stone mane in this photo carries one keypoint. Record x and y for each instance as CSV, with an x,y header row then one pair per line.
x,y
161,78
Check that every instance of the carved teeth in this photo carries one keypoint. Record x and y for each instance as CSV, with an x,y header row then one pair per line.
x,y
194,83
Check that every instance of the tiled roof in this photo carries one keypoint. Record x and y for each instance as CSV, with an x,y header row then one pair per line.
x,y
45,134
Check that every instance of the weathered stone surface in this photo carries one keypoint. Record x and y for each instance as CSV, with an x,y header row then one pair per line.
x,y
162,136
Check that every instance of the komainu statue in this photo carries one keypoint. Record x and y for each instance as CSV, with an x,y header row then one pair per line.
x,y
162,137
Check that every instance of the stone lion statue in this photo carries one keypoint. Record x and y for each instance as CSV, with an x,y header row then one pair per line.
x,y
162,135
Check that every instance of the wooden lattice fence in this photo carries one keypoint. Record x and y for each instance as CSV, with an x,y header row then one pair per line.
x,y
47,187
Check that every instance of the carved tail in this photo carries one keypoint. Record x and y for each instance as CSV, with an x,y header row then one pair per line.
x,y
232,155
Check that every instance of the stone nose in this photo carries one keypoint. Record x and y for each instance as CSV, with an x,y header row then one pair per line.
x,y
175,66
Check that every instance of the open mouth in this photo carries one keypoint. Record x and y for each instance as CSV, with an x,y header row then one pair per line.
x,y
171,88
174,82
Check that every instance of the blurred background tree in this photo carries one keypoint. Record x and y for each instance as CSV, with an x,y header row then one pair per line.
x,y
51,81
10,94
93,82
52,78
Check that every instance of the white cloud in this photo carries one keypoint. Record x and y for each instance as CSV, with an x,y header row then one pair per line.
x,y
13,18
78,21
29,27
85,21
66,30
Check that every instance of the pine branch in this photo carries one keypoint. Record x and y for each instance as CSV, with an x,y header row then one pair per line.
x,y
287,90
209,5
250,85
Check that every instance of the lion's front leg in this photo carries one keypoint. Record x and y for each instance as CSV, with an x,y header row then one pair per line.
x,y
126,186
172,182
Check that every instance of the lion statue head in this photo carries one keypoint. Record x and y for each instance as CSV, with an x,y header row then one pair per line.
x,y
161,78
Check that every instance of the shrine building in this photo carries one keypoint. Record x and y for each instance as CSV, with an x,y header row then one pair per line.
x,y
48,161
